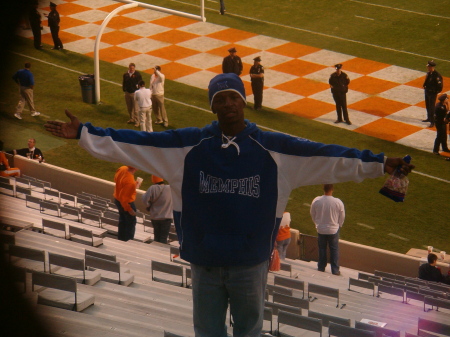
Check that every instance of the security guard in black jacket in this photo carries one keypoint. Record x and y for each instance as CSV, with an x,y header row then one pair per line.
x,y
441,119
339,82
257,78
433,86
232,63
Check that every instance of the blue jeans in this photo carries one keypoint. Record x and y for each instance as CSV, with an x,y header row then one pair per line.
x,y
332,240
282,247
127,222
243,286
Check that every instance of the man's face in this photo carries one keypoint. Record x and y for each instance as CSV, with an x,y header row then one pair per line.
x,y
229,107
232,53
430,68
131,69
338,71
30,143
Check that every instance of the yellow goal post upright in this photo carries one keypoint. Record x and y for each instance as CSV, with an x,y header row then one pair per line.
x,y
131,4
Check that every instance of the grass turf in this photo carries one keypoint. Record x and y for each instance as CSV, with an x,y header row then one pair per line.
x,y
417,220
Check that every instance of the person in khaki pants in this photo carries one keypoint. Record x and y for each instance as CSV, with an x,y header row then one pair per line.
x,y
157,88
25,79
129,85
143,99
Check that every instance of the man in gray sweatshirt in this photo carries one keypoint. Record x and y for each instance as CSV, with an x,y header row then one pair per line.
x,y
158,200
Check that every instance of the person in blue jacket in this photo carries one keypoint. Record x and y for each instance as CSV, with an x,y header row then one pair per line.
x,y
230,184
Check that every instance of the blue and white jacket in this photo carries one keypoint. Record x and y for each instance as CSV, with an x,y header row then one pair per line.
x,y
229,195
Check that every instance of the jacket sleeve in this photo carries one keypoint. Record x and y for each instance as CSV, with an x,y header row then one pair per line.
x,y
161,76
159,153
302,162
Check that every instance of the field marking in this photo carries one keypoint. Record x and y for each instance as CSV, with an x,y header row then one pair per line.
x,y
192,106
400,9
429,176
398,237
321,34
364,225
364,17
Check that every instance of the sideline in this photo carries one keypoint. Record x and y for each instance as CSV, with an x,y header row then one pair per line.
x,y
327,35
193,106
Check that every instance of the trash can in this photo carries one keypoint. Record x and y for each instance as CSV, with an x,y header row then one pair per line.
x,y
87,88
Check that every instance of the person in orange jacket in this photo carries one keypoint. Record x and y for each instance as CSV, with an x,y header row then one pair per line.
x,y
124,196
284,235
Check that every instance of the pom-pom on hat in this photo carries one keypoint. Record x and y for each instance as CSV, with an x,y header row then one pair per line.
x,y
156,179
232,50
226,82
431,64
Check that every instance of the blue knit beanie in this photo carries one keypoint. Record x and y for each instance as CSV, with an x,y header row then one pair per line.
x,y
226,82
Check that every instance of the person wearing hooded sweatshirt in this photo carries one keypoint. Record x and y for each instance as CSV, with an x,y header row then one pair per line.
x,y
158,200
230,184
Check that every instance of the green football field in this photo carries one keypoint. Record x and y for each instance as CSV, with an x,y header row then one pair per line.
x,y
404,34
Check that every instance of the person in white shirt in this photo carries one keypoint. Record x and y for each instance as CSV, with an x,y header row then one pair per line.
x,y
328,214
142,96
157,87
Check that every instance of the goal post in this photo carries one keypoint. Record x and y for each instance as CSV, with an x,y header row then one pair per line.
x,y
131,4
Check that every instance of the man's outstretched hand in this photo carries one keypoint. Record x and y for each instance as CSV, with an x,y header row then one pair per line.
x,y
397,163
64,130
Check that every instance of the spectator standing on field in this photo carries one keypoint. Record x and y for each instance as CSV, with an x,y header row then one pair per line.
x,y
158,200
328,214
25,79
143,97
129,85
157,87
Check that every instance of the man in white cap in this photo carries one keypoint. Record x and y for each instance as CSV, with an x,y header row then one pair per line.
x,y
230,185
